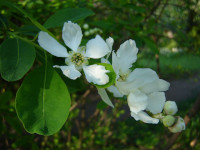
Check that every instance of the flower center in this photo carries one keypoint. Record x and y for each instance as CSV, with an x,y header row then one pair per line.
x,y
77,59
122,77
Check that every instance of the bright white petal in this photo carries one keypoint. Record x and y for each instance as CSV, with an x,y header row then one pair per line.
x,y
104,96
70,71
156,102
136,79
51,45
143,74
158,85
144,117
96,74
72,35
110,42
115,91
135,116
137,101
96,48
127,55
115,63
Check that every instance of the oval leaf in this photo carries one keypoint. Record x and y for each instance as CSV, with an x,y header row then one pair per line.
x,y
16,58
43,102
67,14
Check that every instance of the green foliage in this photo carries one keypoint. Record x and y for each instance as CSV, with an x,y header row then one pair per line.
x,y
154,25
16,58
67,14
43,102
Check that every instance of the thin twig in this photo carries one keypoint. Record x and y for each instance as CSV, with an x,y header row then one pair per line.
x,y
87,92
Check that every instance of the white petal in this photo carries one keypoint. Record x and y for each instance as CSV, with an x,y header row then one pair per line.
x,y
144,117
96,74
158,85
136,79
104,96
115,63
51,45
156,102
110,42
137,101
70,71
135,116
127,55
115,91
72,35
143,74
96,48
103,60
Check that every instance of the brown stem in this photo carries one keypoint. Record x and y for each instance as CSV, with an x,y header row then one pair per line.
x,y
87,92
157,64
153,10
162,10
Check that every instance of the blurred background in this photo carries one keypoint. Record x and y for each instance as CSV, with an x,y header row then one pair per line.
x,y
167,33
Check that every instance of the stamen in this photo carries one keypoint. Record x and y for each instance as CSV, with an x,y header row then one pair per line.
x,y
122,77
77,59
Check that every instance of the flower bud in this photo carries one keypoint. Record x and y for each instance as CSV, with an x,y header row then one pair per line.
x,y
168,120
92,31
85,26
87,33
178,126
170,108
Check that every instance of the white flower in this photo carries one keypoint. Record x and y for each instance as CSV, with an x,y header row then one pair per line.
x,y
77,59
142,86
145,92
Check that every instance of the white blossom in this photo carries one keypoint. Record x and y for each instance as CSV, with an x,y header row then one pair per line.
x,y
143,87
77,59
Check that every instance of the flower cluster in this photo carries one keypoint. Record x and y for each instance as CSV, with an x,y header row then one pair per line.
x,y
142,86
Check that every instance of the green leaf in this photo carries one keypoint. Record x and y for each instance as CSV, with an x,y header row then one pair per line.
x,y
111,74
16,58
43,102
29,30
67,14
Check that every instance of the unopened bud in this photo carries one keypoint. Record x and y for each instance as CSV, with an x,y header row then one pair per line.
x,y
92,31
178,126
168,120
85,26
170,108
87,33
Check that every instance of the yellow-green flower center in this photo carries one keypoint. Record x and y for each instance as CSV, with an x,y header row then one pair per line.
x,y
122,77
77,59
